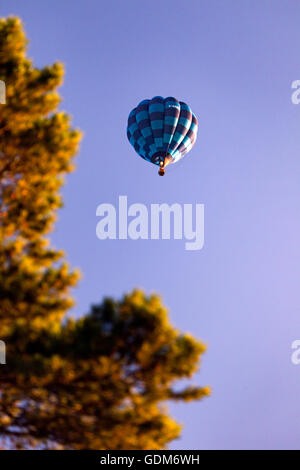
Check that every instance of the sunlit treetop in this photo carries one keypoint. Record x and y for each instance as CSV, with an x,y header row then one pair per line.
x,y
37,145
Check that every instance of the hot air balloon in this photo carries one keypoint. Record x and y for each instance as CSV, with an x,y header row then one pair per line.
x,y
162,130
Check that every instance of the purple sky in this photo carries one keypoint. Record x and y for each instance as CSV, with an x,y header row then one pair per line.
x,y
234,63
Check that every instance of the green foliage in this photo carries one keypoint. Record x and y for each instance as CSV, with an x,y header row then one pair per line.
x,y
37,144
98,382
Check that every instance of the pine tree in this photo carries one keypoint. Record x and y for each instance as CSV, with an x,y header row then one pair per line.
x,y
36,149
98,382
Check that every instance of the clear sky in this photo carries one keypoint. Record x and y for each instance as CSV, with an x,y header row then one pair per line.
x,y
233,61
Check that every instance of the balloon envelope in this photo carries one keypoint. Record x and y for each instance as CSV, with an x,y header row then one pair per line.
x,y
162,130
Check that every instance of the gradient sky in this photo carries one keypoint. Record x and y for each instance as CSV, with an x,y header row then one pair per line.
x,y
233,61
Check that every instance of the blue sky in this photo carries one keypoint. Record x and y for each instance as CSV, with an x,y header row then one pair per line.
x,y
234,63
